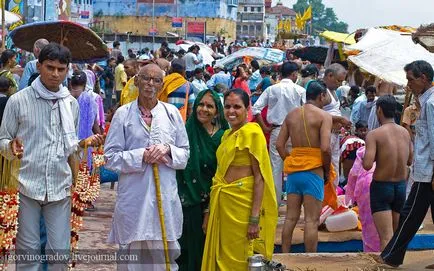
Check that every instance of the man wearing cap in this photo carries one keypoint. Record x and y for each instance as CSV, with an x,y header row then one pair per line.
x,y
280,98
219,77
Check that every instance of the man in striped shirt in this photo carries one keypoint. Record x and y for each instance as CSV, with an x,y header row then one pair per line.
x,y
40,128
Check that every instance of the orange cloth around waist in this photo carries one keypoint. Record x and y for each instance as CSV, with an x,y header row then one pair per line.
x,y
306,158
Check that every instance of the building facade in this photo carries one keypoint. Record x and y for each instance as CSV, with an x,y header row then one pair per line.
x,y
148,17
250,19
272,17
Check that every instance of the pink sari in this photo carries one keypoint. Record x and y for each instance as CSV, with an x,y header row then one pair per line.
x,y
358,190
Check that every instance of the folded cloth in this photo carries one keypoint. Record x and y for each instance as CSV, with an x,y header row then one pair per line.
x,y
306,158
170,83
70,141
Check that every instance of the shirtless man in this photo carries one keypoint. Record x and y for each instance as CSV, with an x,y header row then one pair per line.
x,y
390,147
310,129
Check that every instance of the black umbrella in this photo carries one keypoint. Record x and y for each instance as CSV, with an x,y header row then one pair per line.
x,y
84,44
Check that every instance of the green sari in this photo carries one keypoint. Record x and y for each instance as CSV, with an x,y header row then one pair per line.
x,y
194,183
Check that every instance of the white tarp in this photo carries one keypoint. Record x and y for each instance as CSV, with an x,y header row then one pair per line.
x,y
386,58
374,37
263,55
204,52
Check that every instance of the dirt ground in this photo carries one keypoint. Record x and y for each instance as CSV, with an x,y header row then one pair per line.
x,y
97,226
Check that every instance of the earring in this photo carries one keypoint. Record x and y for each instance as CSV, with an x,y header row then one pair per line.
x,y
214,121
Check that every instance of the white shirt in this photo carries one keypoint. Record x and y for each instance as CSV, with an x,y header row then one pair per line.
x,y
198,86
190,59
136,214
37,122
281,98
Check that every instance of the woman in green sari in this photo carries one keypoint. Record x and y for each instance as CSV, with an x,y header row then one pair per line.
x,y
205,128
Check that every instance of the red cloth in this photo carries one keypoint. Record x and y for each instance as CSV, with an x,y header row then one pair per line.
x,y
210,70
242,84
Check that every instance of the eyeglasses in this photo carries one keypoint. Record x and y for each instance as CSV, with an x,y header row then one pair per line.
x,y
146,78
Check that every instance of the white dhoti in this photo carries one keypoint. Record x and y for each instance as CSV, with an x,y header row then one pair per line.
x,y
147,256
335,150
277,163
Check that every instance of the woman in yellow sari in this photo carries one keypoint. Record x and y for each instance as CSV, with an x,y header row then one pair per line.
x,y
243,208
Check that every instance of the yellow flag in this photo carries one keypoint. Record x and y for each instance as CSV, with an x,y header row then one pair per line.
x,y
307,15
288,25
280,25
299,21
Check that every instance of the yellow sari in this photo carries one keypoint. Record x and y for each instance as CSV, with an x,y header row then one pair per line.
x,y
129,93
226,245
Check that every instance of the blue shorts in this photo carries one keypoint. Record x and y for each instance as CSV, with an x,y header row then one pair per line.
x,y
305,183
387,196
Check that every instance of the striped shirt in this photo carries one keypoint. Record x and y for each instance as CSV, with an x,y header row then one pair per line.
x,y
36,121
177,98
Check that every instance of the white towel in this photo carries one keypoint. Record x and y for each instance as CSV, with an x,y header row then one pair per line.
x,y
70,139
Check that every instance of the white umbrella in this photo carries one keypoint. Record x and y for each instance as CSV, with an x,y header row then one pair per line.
x,y
10,17
207,57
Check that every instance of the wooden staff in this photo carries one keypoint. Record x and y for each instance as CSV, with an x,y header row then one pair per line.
x,y
408,96
161,215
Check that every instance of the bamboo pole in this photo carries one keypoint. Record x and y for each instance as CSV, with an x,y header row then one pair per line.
x,y
408,96
3,25
161,214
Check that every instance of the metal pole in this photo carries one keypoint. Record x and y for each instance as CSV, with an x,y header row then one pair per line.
x,y
153,23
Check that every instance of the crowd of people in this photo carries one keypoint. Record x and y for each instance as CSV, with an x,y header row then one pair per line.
x,y
230,146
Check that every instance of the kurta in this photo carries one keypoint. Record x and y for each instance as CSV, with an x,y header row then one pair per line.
x,y
136,216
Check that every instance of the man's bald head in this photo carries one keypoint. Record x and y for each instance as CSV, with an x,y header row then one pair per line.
x,y
151,68
38,45
131,67
336,69
334,75
149,80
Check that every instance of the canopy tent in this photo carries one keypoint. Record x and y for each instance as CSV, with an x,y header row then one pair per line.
x,y
265,56
338,37
384,54
375,37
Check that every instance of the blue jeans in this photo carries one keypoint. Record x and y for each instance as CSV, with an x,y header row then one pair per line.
x,y
108,101
43,241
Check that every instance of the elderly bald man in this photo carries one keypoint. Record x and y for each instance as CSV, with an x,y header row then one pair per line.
x,y
334,75
142,133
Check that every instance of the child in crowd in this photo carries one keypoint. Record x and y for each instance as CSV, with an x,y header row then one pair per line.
x,y
349,146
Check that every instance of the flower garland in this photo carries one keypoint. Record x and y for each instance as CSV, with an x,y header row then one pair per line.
x,y
9,204
85,191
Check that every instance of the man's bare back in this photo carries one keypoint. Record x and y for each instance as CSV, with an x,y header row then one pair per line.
x,y
392,152
318,127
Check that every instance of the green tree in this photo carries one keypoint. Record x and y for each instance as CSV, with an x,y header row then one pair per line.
x,y
323,18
